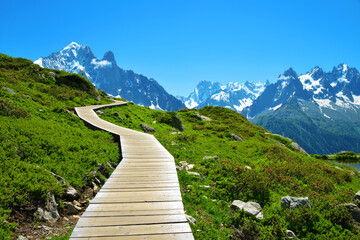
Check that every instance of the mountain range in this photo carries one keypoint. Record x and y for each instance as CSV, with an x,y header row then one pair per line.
x,y
107,76
319,110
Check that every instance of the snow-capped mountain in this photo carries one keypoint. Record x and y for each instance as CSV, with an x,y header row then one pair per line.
x,y
320,110
107,76
235,96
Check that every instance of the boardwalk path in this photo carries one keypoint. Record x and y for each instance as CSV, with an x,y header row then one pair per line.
x,y
141,199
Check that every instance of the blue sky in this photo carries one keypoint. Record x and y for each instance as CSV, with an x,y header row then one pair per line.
x,y
180,43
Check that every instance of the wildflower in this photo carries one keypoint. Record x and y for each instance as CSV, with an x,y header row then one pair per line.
x,y
275,229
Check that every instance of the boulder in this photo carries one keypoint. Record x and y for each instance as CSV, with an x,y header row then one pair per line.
x,y
71,194
298,148
236,137
147,128
294,202
100,112
248,167
177,123
202,118
193,173
118,116
354,211
48,213
252,208
189,167
95,188
357,196
290,235
190,219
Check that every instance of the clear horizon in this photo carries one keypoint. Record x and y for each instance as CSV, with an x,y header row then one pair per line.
x,y
180,43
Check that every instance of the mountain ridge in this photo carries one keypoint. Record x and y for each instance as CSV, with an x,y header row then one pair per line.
x,y
108,76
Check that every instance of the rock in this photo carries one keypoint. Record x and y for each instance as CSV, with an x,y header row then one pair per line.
x,y
9,90
76,203
147,128
46,228
48,213
204,186
248,167
298,148
72,209
154,122
202,118
354,211
183,164
210,157
28,96
357,196
193,173
100,112
294,202
252,208
21,238
280,144
118,116
59,178
52,74
190,219
189,167
109,164
236,137
290,235
177,123
76,216
71,194
175,133
65,219
96,189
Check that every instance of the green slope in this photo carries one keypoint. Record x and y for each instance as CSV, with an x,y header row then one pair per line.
x,y
38,135
276,171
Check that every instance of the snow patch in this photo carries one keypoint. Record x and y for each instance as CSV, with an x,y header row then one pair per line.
x,y
326,116
246,102
191,103
221,96
276,107
39,62
356,99
326,103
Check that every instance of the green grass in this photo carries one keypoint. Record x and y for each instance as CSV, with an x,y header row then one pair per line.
x,y
38,134
277,171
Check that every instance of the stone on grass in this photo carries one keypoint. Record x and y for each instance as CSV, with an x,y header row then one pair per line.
x,y
118,116
177,123
290,235
294,202
21,238
202,118
147,128
9,90
193,173
236,137
252,208
190,219
71,209
48,213
189,167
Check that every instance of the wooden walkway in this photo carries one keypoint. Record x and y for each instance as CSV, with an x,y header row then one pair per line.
x,y
141,199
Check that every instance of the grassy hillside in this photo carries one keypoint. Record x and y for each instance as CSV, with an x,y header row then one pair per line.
x,y
39,135
277,170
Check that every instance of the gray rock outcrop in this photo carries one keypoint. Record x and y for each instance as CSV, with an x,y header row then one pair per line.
x,y
236,137
52,74
48,213
177,123
354,211
252,208
147,128
294,202
9,90
202,118
117,115
357,197
298,148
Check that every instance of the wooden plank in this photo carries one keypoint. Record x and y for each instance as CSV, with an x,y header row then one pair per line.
x,y
124,213
139,185
175,236
130,220
139,189
113,231
136,206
